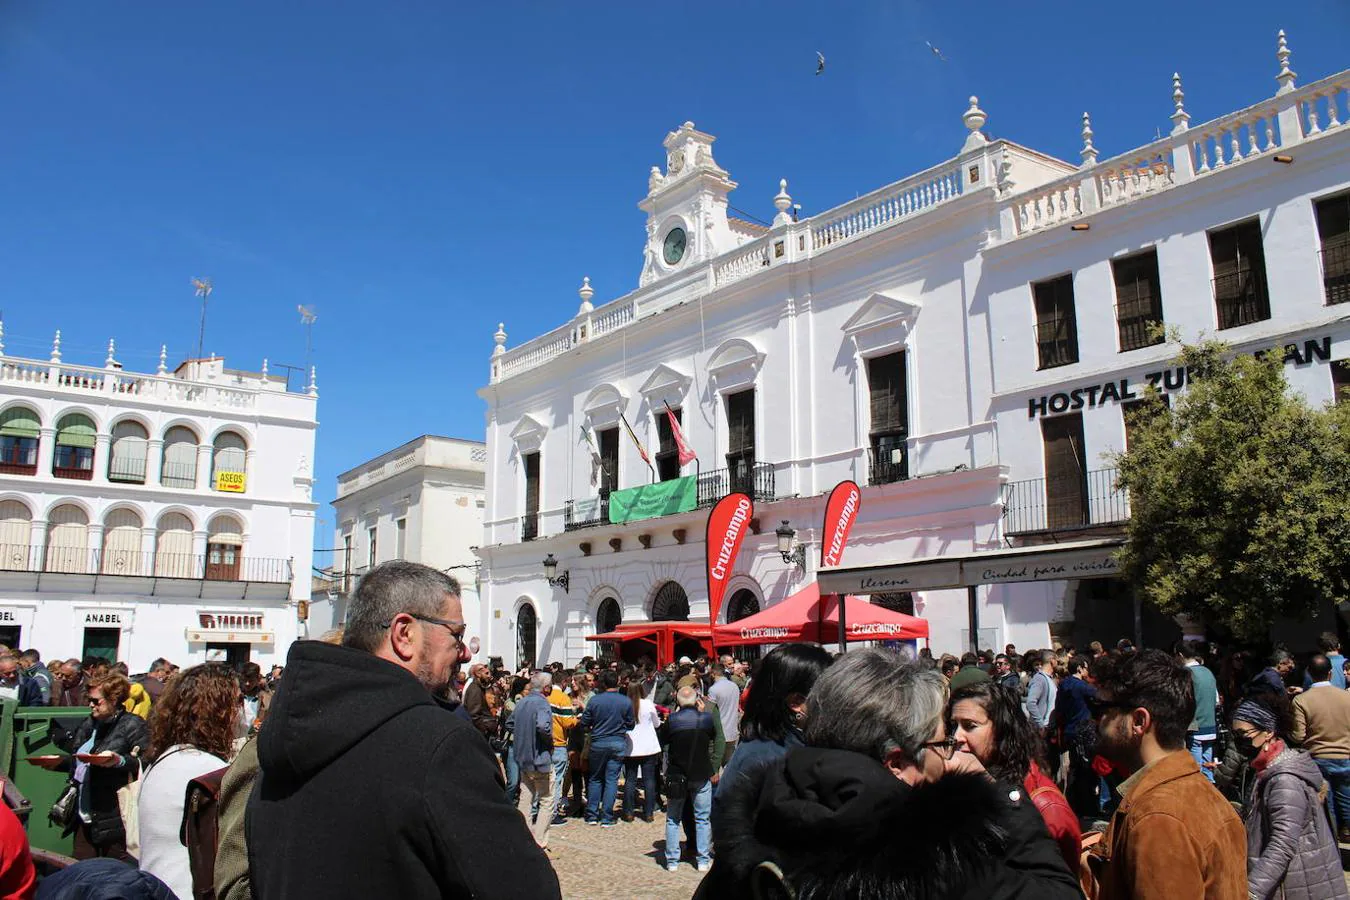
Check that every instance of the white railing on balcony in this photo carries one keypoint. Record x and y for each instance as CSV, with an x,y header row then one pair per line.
x,y
536,353
1199,151
87,378
745,260
617,317
890,204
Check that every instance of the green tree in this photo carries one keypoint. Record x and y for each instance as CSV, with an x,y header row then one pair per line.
x,y
1239,495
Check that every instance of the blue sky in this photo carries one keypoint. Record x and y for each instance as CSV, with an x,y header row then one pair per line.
x,y
421,170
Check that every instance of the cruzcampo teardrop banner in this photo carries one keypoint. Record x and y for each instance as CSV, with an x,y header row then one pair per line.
x,y
727,524
841,510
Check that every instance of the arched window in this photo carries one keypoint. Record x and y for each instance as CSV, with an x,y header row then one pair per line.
x,y
68,540
671,604
130,445
608,616
224,548
227,463
179,468
16,536
901,602
19,435
74,457
527,627
173,547
122,543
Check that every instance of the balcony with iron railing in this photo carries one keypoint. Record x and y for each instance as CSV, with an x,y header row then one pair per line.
x,y
529,526
755,479
136,563
1242,298
585,513
888,465
1057,504
1336,272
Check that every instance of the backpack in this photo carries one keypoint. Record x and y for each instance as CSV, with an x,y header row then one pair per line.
x,y
200,831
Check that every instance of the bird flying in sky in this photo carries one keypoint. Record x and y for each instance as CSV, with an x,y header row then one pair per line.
x,y
820,62
936,51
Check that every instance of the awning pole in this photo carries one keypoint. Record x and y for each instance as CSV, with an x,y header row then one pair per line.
x,y
973,614
843,627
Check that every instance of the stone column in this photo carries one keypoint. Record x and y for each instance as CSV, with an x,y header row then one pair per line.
x,y
37,545
94,547
46,451
154,462
204,467
101,458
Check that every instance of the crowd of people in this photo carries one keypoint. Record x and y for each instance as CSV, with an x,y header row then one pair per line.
x,y
1120,773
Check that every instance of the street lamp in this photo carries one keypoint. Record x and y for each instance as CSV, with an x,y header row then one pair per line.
x,y
797,555
551,573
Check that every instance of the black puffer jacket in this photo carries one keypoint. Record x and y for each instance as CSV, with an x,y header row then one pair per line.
x,y
842,827
121,735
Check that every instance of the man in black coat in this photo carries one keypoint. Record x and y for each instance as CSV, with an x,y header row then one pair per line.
x,y
369,786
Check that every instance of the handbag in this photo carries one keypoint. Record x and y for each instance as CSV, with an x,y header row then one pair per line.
x,y
129,805
63,811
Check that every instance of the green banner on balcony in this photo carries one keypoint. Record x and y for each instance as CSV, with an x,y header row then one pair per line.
x,y
663,498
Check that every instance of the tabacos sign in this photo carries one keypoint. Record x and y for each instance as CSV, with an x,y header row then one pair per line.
x,y
727,524
841,511
1091,396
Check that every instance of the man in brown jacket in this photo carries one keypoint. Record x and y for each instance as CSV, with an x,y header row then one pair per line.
x,y
1174,835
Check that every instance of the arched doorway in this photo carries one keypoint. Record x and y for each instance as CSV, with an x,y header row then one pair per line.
x,y
671,603
743,603
527,628
608,616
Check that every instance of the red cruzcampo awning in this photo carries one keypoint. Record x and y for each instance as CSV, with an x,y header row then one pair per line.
x,y
661,636
807,616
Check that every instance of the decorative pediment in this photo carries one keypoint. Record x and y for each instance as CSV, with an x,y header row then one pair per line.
x,y
528,434
882,310
665,385
735,363
604,404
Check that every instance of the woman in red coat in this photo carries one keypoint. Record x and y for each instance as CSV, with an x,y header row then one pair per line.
x,y
989,719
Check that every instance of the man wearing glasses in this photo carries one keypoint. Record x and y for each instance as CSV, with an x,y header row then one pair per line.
x,y
1173,834
367,778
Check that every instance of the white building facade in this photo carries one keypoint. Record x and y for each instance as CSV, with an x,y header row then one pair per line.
x,y
422,502
147,515
925,340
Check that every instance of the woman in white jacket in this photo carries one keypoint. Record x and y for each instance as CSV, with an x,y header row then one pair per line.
x,y
192,728
644,752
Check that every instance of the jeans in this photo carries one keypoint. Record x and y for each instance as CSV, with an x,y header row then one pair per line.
x,y
512,775
1337,774
647,764
606,761
702,803
559,777
1203,751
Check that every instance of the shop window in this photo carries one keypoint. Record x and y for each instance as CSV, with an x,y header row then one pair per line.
x,y
19,436
74,456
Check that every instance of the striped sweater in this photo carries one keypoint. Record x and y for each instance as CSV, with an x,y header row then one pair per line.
x,y
564,716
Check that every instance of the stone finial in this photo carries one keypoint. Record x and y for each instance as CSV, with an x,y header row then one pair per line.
x,y
782,201
654,179
56,347
264,368
1005,178
499,338
1287,75
1181,120
585,292
163,359
111,361
975,119
313,382
1089,152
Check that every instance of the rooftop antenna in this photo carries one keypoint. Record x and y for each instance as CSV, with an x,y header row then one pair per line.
x,y
307,316
202,288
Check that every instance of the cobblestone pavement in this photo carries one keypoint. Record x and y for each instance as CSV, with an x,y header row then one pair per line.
x,y
626,862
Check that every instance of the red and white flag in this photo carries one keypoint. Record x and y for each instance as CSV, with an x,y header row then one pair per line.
x,y
686,453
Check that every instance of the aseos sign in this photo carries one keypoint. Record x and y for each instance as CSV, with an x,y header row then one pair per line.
x,y
841,510
727,524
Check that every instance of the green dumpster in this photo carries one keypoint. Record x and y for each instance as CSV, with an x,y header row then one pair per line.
x,y
23,733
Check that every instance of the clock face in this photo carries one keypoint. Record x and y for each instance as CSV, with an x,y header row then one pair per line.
x,y
674,247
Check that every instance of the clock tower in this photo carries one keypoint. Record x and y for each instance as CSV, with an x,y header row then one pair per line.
x,y
686,206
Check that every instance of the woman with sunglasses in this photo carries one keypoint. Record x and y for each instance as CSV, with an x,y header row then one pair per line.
x,y
104,748
988,720
1291,851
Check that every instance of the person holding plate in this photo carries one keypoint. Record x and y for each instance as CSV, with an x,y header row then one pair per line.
x,y
104,748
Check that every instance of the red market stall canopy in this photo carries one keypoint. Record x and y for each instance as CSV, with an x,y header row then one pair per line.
x,y
662,637
806,616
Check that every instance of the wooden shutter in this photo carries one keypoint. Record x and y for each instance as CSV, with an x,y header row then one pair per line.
x,y
531,484
1065,471
173,547
1056,323
741,424
1333,227
68,540
1138,299
609,459
886,392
